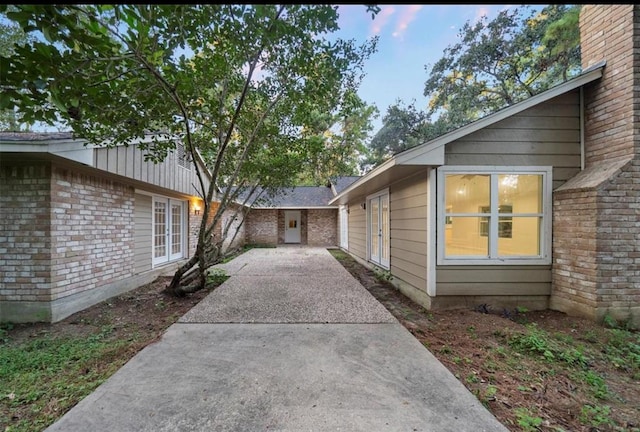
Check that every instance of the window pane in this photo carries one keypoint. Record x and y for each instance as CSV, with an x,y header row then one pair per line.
x,y
176,229
523,236
385,227
520,193
464,237
467,193
375,229
160,227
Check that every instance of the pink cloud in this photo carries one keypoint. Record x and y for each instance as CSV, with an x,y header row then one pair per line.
x,y
408,14
381,19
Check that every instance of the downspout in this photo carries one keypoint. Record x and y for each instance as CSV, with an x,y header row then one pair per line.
x,y
582,156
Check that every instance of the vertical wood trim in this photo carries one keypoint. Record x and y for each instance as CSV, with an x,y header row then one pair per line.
x,y
431,232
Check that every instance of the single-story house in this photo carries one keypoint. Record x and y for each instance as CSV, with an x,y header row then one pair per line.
x,y
299,215
536,206
81,223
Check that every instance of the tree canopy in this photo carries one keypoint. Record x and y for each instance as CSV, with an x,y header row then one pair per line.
x,y
495,63
11,35
242,86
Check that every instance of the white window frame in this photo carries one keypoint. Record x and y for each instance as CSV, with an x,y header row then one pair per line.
x,y
381,263
545,230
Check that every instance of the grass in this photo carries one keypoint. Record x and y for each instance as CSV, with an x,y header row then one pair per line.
x,y
46,376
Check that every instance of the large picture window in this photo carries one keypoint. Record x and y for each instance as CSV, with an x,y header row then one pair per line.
x,y
497,216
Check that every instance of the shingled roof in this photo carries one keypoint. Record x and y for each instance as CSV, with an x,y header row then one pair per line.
x,y
341,183
306,196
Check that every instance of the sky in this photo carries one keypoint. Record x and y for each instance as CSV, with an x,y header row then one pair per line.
x,y
410,37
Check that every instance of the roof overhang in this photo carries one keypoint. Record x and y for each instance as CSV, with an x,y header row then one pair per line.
x,y
431,153
68,148
399,166
74,149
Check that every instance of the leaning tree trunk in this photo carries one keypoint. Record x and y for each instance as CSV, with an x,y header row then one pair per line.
x,y
192,275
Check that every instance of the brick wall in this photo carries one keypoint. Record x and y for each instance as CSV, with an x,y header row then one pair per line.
x,y
262,226
618,247
574,244
608,33
596,253
232,217
322,227
92,228
24,232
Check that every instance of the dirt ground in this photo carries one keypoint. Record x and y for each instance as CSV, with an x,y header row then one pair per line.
x,y
142,314
524,392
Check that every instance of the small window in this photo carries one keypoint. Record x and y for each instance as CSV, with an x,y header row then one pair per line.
x,y
498,216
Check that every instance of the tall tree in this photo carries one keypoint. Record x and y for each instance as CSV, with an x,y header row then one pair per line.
x,y
500,62
238,84
403,126
496,63
341,141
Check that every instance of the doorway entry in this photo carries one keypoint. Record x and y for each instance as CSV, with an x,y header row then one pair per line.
x,y
378,228
292,226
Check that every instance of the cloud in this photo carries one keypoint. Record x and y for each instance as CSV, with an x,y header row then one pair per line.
x,y
407,15
481,12
381,19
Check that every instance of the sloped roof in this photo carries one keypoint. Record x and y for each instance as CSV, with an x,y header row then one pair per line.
x,y
341,183
299,197
431,153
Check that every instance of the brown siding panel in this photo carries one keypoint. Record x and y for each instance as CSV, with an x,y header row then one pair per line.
x,y
408,226
357,229
493,280
143,233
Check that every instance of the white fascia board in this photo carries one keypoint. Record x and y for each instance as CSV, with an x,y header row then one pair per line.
x,y
364,179
74,150
428,155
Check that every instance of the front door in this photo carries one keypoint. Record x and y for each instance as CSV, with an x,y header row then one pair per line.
x,y
292,226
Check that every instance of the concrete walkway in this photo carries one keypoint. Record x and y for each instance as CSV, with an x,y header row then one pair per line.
x,y
290,342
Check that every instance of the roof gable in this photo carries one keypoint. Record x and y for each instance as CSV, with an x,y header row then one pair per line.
x,y
431,153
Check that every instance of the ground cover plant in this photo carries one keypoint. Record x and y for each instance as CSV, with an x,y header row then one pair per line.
x,y
534,370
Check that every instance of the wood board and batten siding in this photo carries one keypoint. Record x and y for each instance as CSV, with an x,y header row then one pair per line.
x,y
172,174
545,135
357,229
408,219
143,233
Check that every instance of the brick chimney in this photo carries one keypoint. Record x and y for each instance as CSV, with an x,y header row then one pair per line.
x,y
596,227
